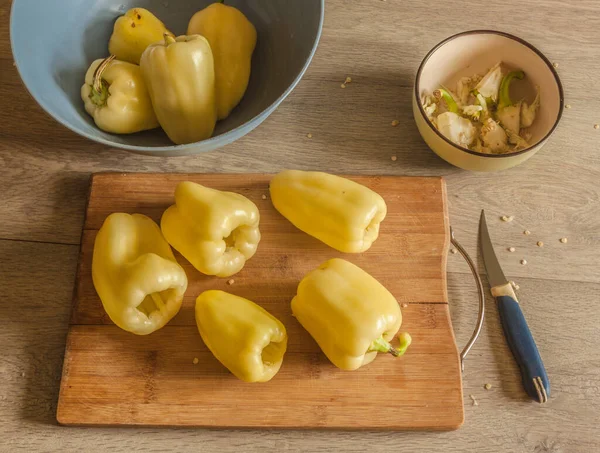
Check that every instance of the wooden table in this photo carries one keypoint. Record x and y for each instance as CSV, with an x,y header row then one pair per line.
x,y
44,175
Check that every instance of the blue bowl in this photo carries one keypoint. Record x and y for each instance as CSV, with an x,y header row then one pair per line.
x,y
55,41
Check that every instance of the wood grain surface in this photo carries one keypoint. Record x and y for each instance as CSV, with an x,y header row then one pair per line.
x,y
44,176
111,377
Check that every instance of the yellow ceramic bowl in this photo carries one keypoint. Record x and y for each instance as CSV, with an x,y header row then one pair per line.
x,y
474,52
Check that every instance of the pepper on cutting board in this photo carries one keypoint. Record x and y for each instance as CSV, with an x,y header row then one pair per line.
x,y
135,273
133,33
341,213
180,76
349,314
244,337
115,95
215,231
232,38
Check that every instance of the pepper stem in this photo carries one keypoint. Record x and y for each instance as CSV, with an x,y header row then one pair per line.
x,y
169,39
405,341
504,92
99,93
382,345
442,93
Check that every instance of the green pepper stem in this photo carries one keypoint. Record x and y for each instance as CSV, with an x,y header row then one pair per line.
x,y
442,93
504,92
382,345
100,93
405,341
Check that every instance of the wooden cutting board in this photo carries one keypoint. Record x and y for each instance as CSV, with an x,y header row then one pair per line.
x,y
111,377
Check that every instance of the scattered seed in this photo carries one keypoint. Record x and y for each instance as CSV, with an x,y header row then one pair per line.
x,y
231,281
454,251
263,196
508,218
563,240
517,287
195,361
394,158
526,232
568,106
348,80
555,64
404,305
540,244
475,403
487,386
309,135
596,126
395,123
523,262
343,85
511,249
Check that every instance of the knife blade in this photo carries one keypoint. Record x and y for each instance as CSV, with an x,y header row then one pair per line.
x,y
517,332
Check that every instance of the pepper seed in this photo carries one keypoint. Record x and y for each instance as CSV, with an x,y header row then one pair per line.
x,y
453,251
540,244
555,64
404,305
394,158
568,106
348,80
263,196
309,135
395,123
231,281
475,403
526,232
487,386
343,85
195,361
523,262
511,249
596,126
563,240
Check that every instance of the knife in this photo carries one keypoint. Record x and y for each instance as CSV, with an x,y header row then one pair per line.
x,y
516,330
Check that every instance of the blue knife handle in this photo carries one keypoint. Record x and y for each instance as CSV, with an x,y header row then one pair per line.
x,y
523,347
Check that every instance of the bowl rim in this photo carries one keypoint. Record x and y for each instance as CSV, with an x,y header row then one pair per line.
x,y
509,36
210,143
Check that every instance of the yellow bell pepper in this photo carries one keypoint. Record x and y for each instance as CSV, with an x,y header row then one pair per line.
x,y
115,95
343,214
215,231
349,314
232,38
180,76
245,338
139,282
133,32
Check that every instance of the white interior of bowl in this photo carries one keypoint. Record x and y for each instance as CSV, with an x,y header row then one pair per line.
x,y
469,54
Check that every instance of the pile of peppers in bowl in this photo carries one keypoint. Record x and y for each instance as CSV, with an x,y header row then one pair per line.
x,y
351,316
183,84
